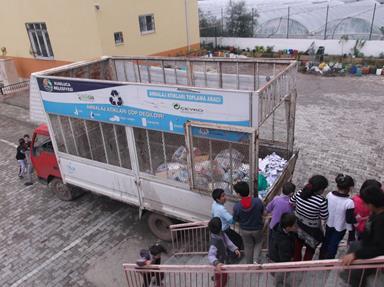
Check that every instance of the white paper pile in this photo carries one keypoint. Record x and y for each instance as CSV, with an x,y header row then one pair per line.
x,y
272,166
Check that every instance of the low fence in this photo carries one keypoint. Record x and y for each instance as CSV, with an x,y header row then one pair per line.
x,y
192,239
372,48
311,273
14,88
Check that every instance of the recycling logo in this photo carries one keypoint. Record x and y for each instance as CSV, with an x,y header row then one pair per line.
x,y
47,84
115,99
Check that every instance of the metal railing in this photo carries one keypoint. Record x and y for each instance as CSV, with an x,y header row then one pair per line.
x,y
276,91
271,80
226,73
13,88
317,273
193,238
190,238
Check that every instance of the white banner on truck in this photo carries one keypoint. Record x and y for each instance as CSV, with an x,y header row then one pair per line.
x,y
157,107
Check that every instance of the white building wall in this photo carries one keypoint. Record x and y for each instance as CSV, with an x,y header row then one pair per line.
x,y
36,109
8,73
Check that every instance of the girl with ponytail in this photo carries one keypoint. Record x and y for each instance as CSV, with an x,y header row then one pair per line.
x,y
316,185
310,208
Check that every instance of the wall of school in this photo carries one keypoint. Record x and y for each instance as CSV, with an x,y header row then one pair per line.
x,y
71,26
79,31
176,26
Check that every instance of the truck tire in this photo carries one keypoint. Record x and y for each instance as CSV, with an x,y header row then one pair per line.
x,y
61,190
159,226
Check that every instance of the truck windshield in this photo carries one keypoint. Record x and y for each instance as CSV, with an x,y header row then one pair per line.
x,y
42,143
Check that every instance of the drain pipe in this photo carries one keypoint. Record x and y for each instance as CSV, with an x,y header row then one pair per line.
x,y
187,25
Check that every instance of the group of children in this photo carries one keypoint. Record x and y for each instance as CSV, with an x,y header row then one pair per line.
x,y
24,159
249,212
298,219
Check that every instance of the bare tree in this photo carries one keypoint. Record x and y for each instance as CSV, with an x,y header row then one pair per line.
x,y
209,24
240,21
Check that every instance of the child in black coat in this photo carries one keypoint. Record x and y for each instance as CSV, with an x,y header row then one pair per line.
x,y
220,251
372,243
151,256
20,157
282,245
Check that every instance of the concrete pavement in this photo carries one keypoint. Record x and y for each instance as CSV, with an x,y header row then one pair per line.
x,y
47,242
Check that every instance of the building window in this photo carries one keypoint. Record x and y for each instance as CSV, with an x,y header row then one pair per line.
x,y
39,38
119,38
147,24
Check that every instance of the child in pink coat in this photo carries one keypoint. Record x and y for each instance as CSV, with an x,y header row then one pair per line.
x,y
362,212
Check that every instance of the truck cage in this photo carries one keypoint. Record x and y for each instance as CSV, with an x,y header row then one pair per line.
x,y
269,83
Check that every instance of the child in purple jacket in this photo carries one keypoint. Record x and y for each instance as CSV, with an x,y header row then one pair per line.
x,y
280,205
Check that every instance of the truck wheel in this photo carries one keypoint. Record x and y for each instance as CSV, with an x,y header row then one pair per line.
x,y
159,226
61,190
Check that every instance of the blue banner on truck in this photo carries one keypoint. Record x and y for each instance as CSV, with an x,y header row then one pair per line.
x,y
157,107
221,135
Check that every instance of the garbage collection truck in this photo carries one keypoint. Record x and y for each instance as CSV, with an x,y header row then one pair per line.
x,y
162,133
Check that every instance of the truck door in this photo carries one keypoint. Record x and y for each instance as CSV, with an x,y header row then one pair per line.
x,y
221,155
43,157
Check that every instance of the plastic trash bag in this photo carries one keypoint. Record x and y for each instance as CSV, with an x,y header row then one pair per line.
x,y
201,181
223,185
237,176
244,168
262,183
173,170
210,169
224,158
180,154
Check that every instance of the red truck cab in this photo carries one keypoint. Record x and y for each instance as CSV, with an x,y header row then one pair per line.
x,y
44,162
43,156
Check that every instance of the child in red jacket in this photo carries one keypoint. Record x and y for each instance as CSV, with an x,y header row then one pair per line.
x,y
362,212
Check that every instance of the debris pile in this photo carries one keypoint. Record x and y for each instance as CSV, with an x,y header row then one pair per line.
x,y
225,169
340,69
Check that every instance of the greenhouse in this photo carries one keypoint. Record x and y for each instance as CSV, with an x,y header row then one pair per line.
x,y
309,19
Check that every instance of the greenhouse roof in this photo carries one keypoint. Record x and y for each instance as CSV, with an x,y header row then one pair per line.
x,y
343,17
